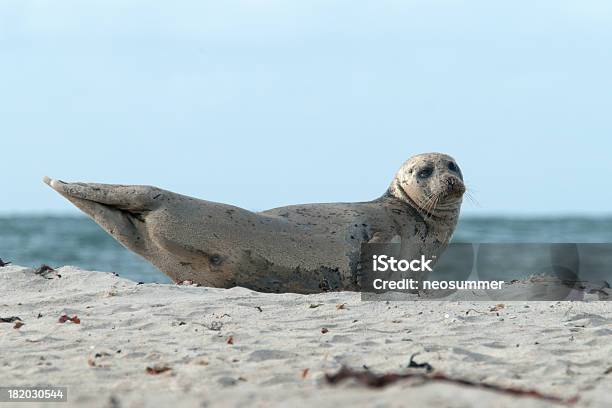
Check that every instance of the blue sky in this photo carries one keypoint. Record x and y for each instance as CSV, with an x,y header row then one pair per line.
x,y
268,103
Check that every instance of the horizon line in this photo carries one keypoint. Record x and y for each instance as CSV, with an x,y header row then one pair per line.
x,y
467,214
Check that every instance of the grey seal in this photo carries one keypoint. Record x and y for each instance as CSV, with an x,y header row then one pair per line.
x,y
305,248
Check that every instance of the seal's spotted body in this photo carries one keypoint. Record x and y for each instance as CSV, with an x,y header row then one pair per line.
x,y
302,248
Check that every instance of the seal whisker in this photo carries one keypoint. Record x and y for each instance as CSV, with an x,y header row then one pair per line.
x,y
435,204
429,202
472,199
428,205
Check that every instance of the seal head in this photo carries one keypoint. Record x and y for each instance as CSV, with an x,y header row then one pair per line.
x,y
432,183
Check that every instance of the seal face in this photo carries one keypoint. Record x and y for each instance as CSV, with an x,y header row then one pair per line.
x,y
304,248
432,183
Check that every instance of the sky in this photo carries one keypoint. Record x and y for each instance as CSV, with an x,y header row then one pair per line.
x,y
267,103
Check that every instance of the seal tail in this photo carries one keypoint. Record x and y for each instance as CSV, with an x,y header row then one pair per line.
x,y
119,209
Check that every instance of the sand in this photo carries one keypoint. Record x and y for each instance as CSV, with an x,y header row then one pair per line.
x,y
237,347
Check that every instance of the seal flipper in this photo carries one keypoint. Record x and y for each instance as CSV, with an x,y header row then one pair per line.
x,y
117,209
131,198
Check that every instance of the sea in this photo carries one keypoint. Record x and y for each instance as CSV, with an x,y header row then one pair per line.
x,y
33,240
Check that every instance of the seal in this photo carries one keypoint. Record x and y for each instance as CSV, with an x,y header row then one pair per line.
x,y
306,248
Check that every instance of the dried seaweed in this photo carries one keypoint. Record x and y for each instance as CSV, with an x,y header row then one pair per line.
x,y
44,269
157,369
74,319
9,319
373,380
411,364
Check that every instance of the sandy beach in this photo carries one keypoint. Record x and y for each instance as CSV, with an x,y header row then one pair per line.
x,y
141,344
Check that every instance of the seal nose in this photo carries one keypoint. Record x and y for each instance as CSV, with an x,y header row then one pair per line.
x,y
454,186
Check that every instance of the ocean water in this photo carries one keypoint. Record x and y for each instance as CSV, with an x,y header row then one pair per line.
x,y
76,240
70,240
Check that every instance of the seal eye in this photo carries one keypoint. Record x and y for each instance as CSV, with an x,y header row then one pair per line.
x,y
215,259
452,166
425,172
